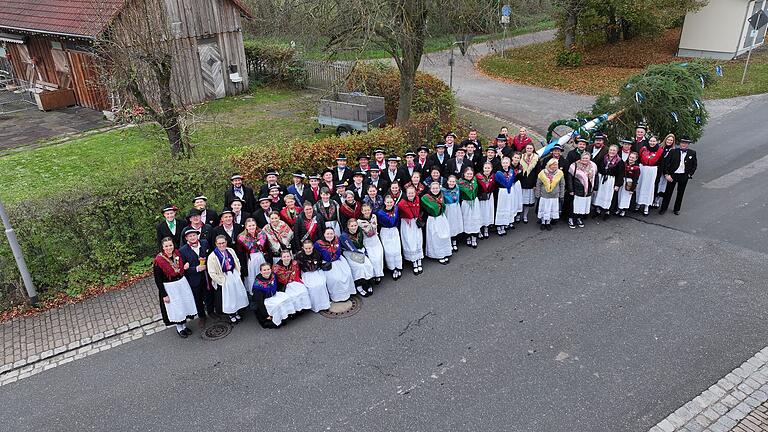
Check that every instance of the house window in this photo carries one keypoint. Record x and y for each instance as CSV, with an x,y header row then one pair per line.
x,y
753,37
61,64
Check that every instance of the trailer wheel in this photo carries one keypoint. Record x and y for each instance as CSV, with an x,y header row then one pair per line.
x,y
343,130
317,130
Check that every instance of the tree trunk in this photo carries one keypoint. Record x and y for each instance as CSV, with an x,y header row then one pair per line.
x,y
175,137
411,40
612,30
406,96
170,116
570,29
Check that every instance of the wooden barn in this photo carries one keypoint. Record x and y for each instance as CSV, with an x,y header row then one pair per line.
x,y
48,44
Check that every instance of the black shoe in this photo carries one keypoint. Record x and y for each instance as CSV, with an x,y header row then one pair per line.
x,y
542,227
549,227
606,215
570,224
182,334
580,223
676,212
188,331
525,221
662,211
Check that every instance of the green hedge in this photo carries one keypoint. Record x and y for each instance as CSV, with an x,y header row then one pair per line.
x,y
274,63
94,235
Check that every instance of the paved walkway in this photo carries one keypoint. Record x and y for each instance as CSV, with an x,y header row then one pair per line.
x,y
523,105
57,336
31,125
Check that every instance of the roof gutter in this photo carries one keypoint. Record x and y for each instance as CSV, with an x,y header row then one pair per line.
x,y
48,32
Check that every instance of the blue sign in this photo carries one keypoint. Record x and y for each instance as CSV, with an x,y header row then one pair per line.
x,y
506,10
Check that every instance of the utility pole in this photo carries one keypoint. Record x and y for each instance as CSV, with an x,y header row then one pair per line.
x,y
17,254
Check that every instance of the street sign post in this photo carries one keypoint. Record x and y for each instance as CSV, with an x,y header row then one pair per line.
x,y
506,11
17,254
756,21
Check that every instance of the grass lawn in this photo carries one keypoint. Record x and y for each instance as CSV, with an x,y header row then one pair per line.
x,y
265,117
433,44
604,69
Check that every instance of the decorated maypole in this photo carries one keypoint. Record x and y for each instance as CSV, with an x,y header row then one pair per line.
x,y
666,97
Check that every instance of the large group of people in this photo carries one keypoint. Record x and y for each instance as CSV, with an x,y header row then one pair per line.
x,y
325,237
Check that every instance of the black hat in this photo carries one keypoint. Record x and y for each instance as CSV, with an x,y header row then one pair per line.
x,y
168,207
299,173
642,125
582,139
685,139
341,185
450,134
314,176
236,176
440,145
227,210
190,230
626,141
265,198
557,147
271,171
491,147
200,197
236,199
194,212
327,170
379,150
460,148
393,158
273,187
502,138
341,156
374,169
410,153
422,148
358,173
362,156
599,135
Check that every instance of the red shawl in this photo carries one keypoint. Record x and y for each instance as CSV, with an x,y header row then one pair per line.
x,y
172,267
409,209
350,213
286,275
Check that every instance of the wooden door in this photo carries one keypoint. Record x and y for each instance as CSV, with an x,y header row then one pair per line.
x,y
212,71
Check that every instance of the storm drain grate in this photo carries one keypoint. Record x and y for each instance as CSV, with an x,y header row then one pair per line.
x,y
216,331
344,309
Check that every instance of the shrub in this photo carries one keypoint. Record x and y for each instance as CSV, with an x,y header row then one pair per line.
x,y
569,58
97,234
273,63
313,156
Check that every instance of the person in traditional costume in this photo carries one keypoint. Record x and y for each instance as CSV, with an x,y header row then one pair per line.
x,y
194,252
270,178
411,236
289,281
492,156
438,159
342,173
338,275
290,211
265,298
627,189
521,140
379,161
224,270
580,183
435,176
550,189
239,190
170,226
276,196
265,209
369,224
650,158
410,166
486,182
641,137
451,195
177,302
422,161
438,231
517,189
375,180
312,193
681,166
252,248
208,216
393,173
471,215
352,243
529,162
328,210
610,171
572,157
389,218
373,198
396,192
503,147
279,235
238,215
338,197
358,185
298,187
455,166
598,149
416,183
327,180
472,157
626,149
450,145
505,181
363,163
349,208
308,226
227,228
195,221
310,263
472,139
661,180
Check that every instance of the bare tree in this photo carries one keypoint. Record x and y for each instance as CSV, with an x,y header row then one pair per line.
x,y
138,55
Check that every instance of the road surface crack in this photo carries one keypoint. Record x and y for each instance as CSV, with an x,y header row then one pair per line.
x,y
415,323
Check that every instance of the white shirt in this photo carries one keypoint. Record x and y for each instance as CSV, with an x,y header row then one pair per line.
x,y
625,156
196,249
595,151
230,232
681,168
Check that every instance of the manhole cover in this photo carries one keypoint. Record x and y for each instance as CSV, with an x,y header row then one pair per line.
x,y
216,331
344,309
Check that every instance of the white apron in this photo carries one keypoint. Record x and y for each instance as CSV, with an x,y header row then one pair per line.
x,y
529,196
390,240
299,296
662,185
549,209
182,302
625,197
604,195
487,211
316,287
646,184
455,221
504,213
582,205
255,260
412,240
471,217
438,237
339,281
375,254
279,307
363,270
233,295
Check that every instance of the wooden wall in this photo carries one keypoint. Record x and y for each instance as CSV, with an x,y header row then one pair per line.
x,y
89,91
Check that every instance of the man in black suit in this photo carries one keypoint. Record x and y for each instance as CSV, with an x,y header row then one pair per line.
x,y
239,190
170,226
270,177
227,227
492,157
239,215
472,155
422,161
194,249
394,174
208,216
410,164
679,167
375,179
262,214
358,185
195,221
342,173
598,149
456,165
641,139
472,138
450,145
439,158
